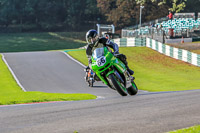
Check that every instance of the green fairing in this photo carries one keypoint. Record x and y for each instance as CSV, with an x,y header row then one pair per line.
x,y
110,72
110,61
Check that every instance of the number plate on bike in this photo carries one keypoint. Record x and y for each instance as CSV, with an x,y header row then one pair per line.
x,y
101,61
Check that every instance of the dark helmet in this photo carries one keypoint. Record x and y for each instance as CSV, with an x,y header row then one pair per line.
x,y
91,34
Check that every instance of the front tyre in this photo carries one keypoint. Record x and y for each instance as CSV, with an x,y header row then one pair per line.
x,y
117,85
132,90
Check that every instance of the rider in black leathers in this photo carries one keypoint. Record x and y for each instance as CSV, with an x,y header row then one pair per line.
x,y
92,39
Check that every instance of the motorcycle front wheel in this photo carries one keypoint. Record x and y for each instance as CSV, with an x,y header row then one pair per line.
x,y
132,90
117,85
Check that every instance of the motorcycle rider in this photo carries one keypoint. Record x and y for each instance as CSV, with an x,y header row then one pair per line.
x,y
93,39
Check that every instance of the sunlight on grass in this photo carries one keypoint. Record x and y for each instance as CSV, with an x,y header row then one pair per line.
x,y
22,42
196,51
56,35
65,38
155,71
39,40
194,129
11,93
16,41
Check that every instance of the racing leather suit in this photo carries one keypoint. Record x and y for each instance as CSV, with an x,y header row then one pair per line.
x,y
106,42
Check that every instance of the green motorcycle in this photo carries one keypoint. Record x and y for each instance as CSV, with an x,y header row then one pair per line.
x,y
112,71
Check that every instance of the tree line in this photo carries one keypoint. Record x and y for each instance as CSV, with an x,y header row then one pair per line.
x,y
47,15
71,15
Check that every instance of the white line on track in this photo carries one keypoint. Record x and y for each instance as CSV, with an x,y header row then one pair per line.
x,y
98,97
73,59
28,104
16,79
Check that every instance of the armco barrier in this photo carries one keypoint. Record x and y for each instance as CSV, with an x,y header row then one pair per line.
x,y
130,42
176,53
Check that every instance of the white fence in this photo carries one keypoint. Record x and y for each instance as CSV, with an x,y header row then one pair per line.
x,y
176,53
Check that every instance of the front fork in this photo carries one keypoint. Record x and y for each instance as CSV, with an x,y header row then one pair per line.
x,y
121,80
129,79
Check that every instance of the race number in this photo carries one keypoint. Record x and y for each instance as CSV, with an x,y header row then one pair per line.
x,y
101,61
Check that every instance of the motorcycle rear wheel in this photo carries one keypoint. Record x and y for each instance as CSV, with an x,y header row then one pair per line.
x,y
120,89
90,83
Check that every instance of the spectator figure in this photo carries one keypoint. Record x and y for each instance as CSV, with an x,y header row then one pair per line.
x,y
170,16
161,26
157,28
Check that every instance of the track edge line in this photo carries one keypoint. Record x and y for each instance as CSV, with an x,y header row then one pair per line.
x,y
13,74
73,59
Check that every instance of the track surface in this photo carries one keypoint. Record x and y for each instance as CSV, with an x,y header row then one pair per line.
x,y
55,72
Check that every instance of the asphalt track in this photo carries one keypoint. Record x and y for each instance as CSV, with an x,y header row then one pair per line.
x,y
55,72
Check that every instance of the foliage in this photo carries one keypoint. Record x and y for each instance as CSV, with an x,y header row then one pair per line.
x,y
120,13
175,5
192,6
47,15
67,15
126,12
178,5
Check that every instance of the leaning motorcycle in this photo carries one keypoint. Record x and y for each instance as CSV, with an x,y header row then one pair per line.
x,y
89,77
112,71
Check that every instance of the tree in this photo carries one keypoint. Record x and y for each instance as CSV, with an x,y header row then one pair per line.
x,y
75,11
123,14
8,12
126,12
51,15
118,12
175,5
92,14
152,11
192,6
178,5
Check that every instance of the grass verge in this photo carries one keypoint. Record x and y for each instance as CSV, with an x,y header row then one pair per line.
x,y
21,42
154,71
11,93
196,51
194,129
190,46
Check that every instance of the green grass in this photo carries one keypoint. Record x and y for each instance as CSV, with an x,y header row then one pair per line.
x,y
196,42
20,42
11,93
154,71
196,51
194,129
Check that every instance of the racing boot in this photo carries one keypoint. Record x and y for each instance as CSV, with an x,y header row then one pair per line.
x,y
86,73
123,59
87,69
131,72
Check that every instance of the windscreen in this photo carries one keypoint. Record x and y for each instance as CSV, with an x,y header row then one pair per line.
x,y
98,52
